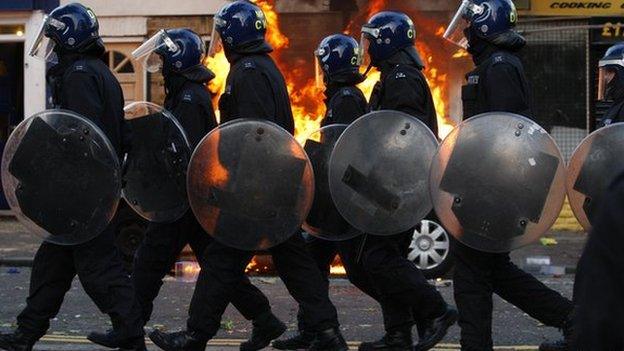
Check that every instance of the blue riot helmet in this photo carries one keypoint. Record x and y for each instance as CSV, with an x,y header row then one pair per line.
x,y
236,26
487,19
71,28
338,59
176,50
386,33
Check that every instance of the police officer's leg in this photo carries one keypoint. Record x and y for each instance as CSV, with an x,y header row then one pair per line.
x,y
397,278
154,258
100,270
223,268
246,298
323,252
310,289
529,294
51,277
473,295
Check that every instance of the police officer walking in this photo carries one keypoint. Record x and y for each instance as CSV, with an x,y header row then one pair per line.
x,y
338,59
82,83
188,99
254,89
406,296
611,85
485,28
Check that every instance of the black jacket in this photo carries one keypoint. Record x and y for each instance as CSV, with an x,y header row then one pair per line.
x,y
344,105
190,102
599,283
403,87
498,83
255,88
85,85
615,114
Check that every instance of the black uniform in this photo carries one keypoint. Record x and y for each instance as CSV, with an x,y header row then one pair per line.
x,y
84,84
189,101
344,104
405,294
256,89
497,84
614,114
599,284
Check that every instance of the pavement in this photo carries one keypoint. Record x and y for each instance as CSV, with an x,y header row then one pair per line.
x,y
359,315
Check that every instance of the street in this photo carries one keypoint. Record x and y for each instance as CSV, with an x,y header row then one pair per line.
x,y
359,315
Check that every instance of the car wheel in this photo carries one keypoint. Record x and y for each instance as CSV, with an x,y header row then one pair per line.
x,y
430,249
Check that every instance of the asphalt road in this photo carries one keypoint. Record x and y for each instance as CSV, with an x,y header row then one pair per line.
x,y
359,315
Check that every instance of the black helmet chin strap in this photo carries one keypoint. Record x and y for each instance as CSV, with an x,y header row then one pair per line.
x,y
370,66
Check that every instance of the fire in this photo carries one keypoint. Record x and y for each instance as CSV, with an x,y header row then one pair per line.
x,y
307,99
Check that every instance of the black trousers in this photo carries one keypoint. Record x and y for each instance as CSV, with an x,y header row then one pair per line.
x,y
405,295
478,275
383,261
100,270
157,253
224,267
323,252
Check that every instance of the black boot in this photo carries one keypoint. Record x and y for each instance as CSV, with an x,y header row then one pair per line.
x,y
265,328
114,340
400,340
302,340
329,340
437,330
183,340
17,341
564,344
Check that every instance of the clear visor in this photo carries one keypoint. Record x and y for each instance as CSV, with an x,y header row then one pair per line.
x,y
456,28
368,34
216,44
147,53
605,76
42,46
319,74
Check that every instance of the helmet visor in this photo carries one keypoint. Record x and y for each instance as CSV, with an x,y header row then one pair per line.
x,y
42,46
368,34
319,73
216,44
606,74
148,55
455,32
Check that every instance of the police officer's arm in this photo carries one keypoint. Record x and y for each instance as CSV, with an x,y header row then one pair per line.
x,y
81,93
504,89
253,96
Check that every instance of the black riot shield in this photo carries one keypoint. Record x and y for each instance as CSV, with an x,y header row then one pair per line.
x,y
497,182
379,172
250,184
61,177
155,167
593,166
324,221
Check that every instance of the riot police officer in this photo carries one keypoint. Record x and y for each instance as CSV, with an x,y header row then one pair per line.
x,y
599,287
498,83
82,83
389,38
611,85
188,99
255,88
338,59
